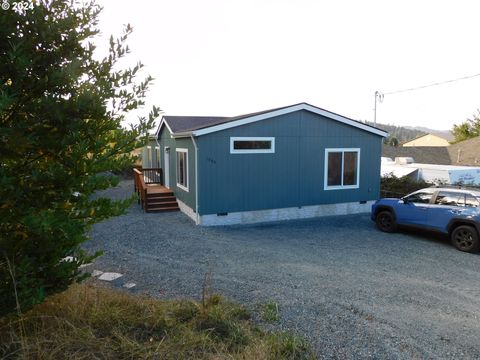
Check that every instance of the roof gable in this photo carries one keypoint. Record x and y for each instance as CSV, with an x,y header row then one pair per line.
x,y
430,137
198,126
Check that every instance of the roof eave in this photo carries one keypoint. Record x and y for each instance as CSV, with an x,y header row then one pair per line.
x,y
183,134
283,111
163,122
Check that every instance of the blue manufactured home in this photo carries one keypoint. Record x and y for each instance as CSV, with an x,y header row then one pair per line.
x,y
292,162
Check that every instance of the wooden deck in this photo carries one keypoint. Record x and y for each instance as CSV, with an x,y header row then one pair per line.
x,y
157,189
153,196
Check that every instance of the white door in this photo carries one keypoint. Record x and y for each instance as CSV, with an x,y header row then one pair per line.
x,y
166,171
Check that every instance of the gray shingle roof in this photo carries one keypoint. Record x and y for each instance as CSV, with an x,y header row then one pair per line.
x,y
187,123
466,153
421,154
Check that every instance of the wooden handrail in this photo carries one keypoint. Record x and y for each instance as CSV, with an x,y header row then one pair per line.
x,y
153,175
143,193
136,175
143,177
140,187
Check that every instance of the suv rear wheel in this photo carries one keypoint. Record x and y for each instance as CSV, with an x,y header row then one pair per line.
x,y
465,238
386,221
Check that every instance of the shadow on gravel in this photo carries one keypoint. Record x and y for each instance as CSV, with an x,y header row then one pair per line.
x,y
429,236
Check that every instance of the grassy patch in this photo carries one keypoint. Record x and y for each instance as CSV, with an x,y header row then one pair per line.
x,y
269,311
88,322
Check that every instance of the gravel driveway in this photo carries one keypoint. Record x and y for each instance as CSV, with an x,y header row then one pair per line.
x,y
353,291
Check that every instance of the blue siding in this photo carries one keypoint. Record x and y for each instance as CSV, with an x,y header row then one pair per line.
x,y
293,175
188,197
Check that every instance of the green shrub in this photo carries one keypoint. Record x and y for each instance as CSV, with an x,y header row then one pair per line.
x,y
392,186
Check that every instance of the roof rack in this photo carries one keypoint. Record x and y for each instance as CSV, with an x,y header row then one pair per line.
x,y
457,186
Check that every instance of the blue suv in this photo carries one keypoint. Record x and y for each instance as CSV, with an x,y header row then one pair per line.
x,y
451,211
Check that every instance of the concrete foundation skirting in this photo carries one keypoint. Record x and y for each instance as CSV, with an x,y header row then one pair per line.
x,y
250,217
187,210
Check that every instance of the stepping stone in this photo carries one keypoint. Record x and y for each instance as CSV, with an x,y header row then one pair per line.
x,y
110,276
129,285
84,265
97,273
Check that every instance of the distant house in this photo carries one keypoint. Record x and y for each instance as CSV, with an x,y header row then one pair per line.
x,y
422,154
464,153
439,174
459,162
292,162
429,140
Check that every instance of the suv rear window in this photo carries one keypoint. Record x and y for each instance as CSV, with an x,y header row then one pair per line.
x,y
450,198
471,201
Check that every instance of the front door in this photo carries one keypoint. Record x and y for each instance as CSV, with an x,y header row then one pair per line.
x,y
166,172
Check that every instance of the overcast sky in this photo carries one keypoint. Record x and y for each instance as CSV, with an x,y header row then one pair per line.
x,y
230,57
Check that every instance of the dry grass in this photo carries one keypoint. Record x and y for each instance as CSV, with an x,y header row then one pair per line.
x,y
92,322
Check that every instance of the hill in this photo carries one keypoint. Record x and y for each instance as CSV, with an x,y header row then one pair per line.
x,y
401,133
446,134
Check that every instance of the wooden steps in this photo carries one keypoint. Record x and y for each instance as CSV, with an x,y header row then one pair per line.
x,y
152,195
160,199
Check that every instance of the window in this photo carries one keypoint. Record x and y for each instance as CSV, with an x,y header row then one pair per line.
x,y
420,197
471,201
252,145
342,168
182,169
450,199
456,199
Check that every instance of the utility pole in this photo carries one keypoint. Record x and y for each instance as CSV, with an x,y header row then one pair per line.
x,y
379,96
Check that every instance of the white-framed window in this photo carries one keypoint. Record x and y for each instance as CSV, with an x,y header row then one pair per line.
x,y
252,145
182,168
342,168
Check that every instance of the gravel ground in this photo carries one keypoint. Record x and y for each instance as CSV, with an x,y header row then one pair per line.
x,y
353,291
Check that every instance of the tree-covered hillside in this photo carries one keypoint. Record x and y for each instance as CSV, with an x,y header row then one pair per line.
x,y
400,133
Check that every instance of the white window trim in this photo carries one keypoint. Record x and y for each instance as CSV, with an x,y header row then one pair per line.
x,y
341,187
187,180
253,151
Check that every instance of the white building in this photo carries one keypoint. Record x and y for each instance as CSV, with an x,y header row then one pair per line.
x,y
445,174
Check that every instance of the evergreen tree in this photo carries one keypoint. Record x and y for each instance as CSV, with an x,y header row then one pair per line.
x,y
400,133
61,112
468,129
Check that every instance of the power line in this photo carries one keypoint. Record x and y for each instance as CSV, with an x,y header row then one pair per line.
x,y
430,85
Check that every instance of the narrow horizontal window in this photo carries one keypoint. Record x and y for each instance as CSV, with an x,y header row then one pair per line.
x,y
252,145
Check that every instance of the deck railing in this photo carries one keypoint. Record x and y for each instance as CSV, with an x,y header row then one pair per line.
x,y
152,175
139,187
142,177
